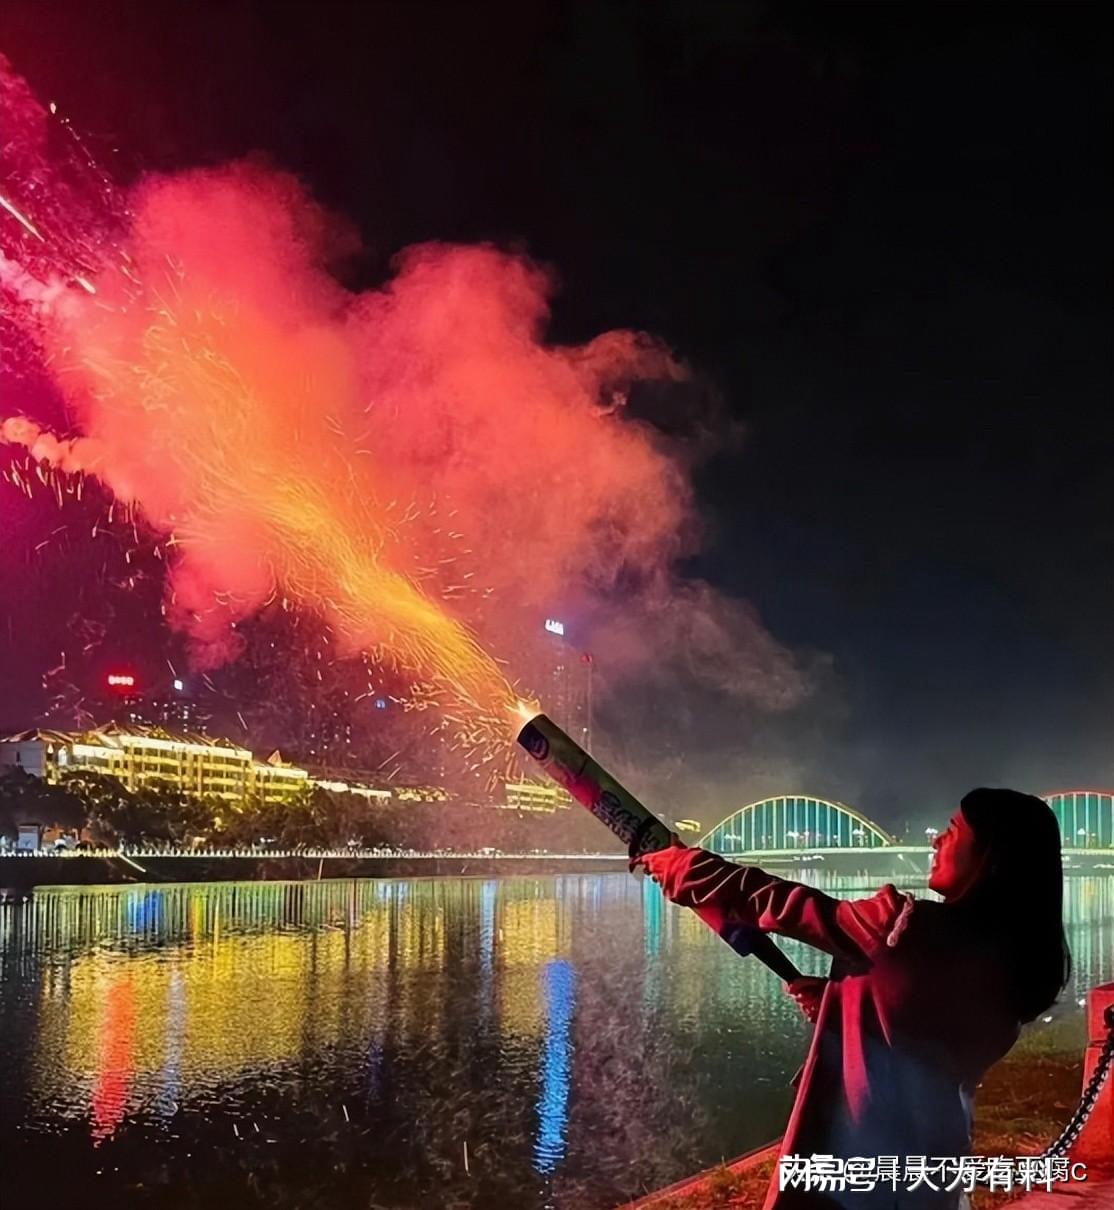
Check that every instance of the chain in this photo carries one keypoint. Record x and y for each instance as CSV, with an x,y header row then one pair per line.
x,y
1090,1093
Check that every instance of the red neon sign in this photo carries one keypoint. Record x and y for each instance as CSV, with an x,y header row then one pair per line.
x,y
121,678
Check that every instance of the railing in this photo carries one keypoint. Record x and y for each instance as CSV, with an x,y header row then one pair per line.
x,y
315,854
1089,1136
810,854
816,851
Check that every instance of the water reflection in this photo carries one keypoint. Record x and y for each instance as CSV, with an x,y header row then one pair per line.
x,y
553,1105
578,1036
116,1066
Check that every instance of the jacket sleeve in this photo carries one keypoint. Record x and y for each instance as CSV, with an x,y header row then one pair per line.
x,y
851,929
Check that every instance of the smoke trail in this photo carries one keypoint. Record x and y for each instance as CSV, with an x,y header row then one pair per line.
x,y
73,455
415,463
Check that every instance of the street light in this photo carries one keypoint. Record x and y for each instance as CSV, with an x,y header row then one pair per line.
x,y
931,834
793,836
1082,832
858,834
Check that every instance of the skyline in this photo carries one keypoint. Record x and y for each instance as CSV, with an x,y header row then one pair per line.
x,y
881,248
208,768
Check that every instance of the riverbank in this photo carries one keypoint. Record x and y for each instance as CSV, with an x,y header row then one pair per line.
x,y
22,874
1021,1106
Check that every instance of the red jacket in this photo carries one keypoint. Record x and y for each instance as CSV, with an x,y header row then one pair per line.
x,y
914,1014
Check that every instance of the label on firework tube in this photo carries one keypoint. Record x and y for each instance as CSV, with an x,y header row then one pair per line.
x,y
613,805
639,829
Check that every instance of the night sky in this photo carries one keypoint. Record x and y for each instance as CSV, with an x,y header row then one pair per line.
x,y
880,237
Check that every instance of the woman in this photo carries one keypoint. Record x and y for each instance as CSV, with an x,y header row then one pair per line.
x,y
922,996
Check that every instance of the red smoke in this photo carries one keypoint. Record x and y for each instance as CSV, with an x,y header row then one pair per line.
x,y
399,461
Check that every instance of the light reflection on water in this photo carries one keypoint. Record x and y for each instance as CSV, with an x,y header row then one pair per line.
x,y
553,1105
528,1042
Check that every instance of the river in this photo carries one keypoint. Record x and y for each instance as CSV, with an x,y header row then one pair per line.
x,y
520,1043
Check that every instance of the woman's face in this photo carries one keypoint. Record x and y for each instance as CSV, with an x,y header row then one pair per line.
x,y
957,859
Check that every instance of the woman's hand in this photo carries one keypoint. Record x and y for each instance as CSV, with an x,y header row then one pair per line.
x,y
808,991
664,865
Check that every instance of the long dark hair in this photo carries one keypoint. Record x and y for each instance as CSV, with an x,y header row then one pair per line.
x,y
1019,896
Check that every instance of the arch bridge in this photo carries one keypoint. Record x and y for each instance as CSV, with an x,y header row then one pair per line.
x,y
795,821
1086,817
798,822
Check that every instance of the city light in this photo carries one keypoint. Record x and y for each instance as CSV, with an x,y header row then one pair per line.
x,y
335,464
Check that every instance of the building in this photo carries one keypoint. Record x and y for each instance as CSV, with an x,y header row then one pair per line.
x,y
564,682
206,767
177,712
373,794
121,699
560,675
535,796
138,754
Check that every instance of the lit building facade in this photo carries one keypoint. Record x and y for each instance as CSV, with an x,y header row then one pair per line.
x,y
534,796
565,683
138,755
122,700
560,674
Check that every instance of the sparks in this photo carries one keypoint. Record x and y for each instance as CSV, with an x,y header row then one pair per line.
x,y
226,390
22,219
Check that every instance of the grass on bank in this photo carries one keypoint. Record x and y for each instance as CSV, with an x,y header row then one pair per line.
x,y
1021,1106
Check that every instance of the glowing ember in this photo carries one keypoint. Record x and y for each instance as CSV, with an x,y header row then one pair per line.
x,y
22,219
345,453
524,712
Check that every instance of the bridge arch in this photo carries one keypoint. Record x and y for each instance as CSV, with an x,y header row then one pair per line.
x,y
794,821
1086,817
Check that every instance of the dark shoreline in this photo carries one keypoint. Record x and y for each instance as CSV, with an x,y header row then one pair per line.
x,y
26,873
21,874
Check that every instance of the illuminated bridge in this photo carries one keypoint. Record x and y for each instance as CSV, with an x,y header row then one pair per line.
x,y
1086,818
792,823
795,825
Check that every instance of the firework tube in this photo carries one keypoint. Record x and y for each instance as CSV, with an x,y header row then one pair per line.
x,y
640,830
